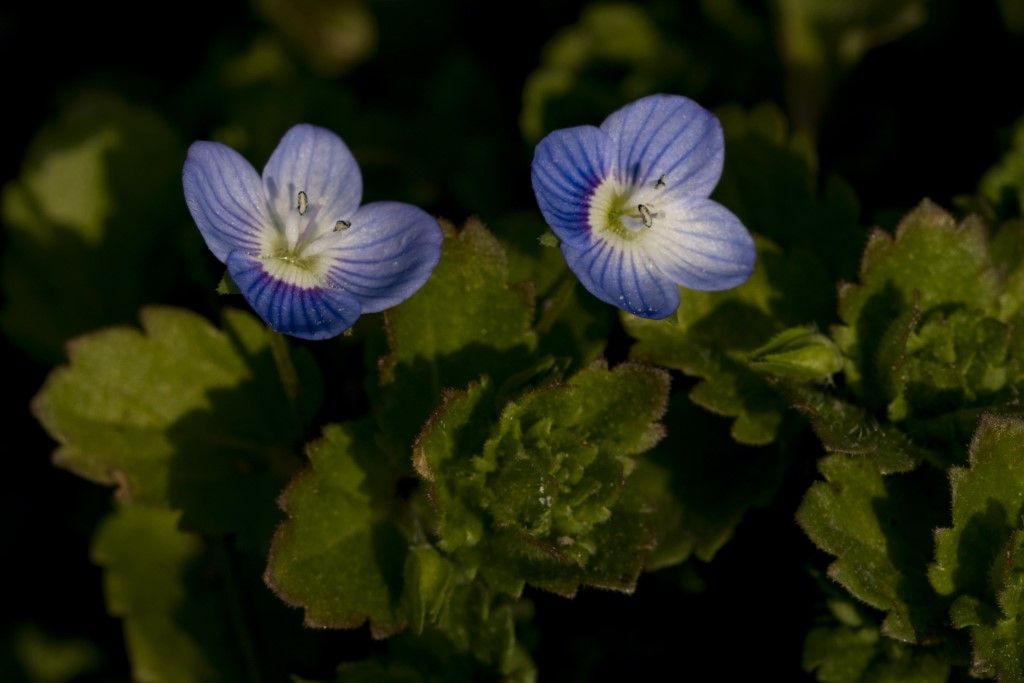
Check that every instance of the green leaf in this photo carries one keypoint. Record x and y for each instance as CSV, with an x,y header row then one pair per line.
x,y
988,501
712,335
879,528
931,262
340,555
90,222
183,415
467,320
847,428
699,484
797,353
953,361
173,633
537,496
352,551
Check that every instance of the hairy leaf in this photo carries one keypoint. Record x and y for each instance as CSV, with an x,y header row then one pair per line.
x,y
997,631
340,555
931,262
185,416
467,320
988,501
537,496
879,529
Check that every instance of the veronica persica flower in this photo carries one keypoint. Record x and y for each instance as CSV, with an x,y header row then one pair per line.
x,y
305,255
629,202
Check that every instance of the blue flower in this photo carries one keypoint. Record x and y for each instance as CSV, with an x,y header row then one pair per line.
x,y
306,256
629,202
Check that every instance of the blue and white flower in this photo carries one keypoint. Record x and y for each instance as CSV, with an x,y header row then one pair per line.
x,y
629,202
305,255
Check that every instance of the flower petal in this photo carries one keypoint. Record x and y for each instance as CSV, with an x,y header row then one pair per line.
x,y
621,274
667,141
225,197
700,244
315,161
385,255
305,312
567,166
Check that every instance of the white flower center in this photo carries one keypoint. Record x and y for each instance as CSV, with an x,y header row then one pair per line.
x,y
291,252
625,211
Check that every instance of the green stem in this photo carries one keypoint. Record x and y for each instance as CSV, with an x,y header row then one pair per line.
x,y
288,374
236,612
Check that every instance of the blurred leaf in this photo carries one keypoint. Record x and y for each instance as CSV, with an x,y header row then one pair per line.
x,y
570,87
1003,184
90,222
538,496
770,182
331,36
340,555
48,659
147,563
849,654
1007,248
821,39
699,484
712,335
879,528
183,415
467,320
1013,15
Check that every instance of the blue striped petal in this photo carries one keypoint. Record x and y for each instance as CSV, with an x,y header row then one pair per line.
x,y
700,244
667,141
316,162
225,197
317,312
384,256
621,274
567,166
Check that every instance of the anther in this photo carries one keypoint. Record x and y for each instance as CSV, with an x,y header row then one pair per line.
x,y
661,182
303,203
342,225
646,215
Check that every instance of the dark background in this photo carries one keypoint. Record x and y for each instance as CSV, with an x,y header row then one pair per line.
x,y
922,116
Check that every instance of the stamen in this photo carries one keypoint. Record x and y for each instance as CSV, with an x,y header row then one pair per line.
x,y
342,225
646,215
303,203
661,182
